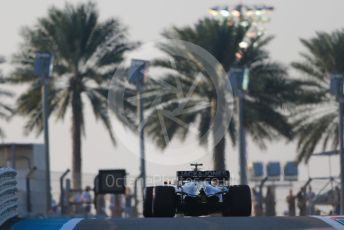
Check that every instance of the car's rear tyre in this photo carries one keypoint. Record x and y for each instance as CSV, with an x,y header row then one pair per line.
x,y
148,202
237,202
164,201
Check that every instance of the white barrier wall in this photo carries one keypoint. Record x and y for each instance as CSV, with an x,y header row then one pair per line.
x,y
8,196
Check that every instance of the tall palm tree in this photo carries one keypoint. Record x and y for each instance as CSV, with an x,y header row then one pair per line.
x,y
271,92
5,109
86,51
316,123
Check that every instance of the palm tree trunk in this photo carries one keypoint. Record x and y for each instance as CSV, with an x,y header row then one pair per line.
x,y
76,139
219,155
219,145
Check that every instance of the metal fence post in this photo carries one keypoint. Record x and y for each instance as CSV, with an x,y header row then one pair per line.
x,y
62,192
28,189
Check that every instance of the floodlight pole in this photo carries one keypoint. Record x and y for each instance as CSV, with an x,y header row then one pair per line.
x,y
240,17
45,106
43,67
239,73
337,89
341,149
140,87
242,140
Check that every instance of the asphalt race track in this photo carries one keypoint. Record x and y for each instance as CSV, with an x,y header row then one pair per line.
x,y
210,223
199,223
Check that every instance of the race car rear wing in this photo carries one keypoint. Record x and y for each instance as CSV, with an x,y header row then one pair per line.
x,y
203,175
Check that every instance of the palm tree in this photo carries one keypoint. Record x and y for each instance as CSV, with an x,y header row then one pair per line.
x,y
5,109
316,123
86,51
271,92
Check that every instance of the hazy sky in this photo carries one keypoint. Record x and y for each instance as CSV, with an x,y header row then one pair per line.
x,y
146,19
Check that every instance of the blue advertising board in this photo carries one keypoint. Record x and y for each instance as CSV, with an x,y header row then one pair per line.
x,y
235,76
43,64
291,171
258,170
273,170
137,71
239,79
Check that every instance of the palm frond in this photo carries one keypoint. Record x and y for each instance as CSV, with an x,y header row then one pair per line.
x,y
317,126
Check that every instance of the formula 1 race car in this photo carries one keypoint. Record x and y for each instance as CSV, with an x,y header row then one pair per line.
x,y
198,193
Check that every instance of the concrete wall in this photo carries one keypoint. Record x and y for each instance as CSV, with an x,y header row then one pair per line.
x,y
38,182
28,156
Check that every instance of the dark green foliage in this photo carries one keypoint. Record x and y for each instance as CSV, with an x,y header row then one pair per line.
x,y
316,123
272,94
86,53
5,109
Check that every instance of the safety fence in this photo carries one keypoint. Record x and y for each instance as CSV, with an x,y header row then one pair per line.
x,y
66,201
8,197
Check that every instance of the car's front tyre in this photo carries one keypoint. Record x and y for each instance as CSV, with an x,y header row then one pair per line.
x,y
148,202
